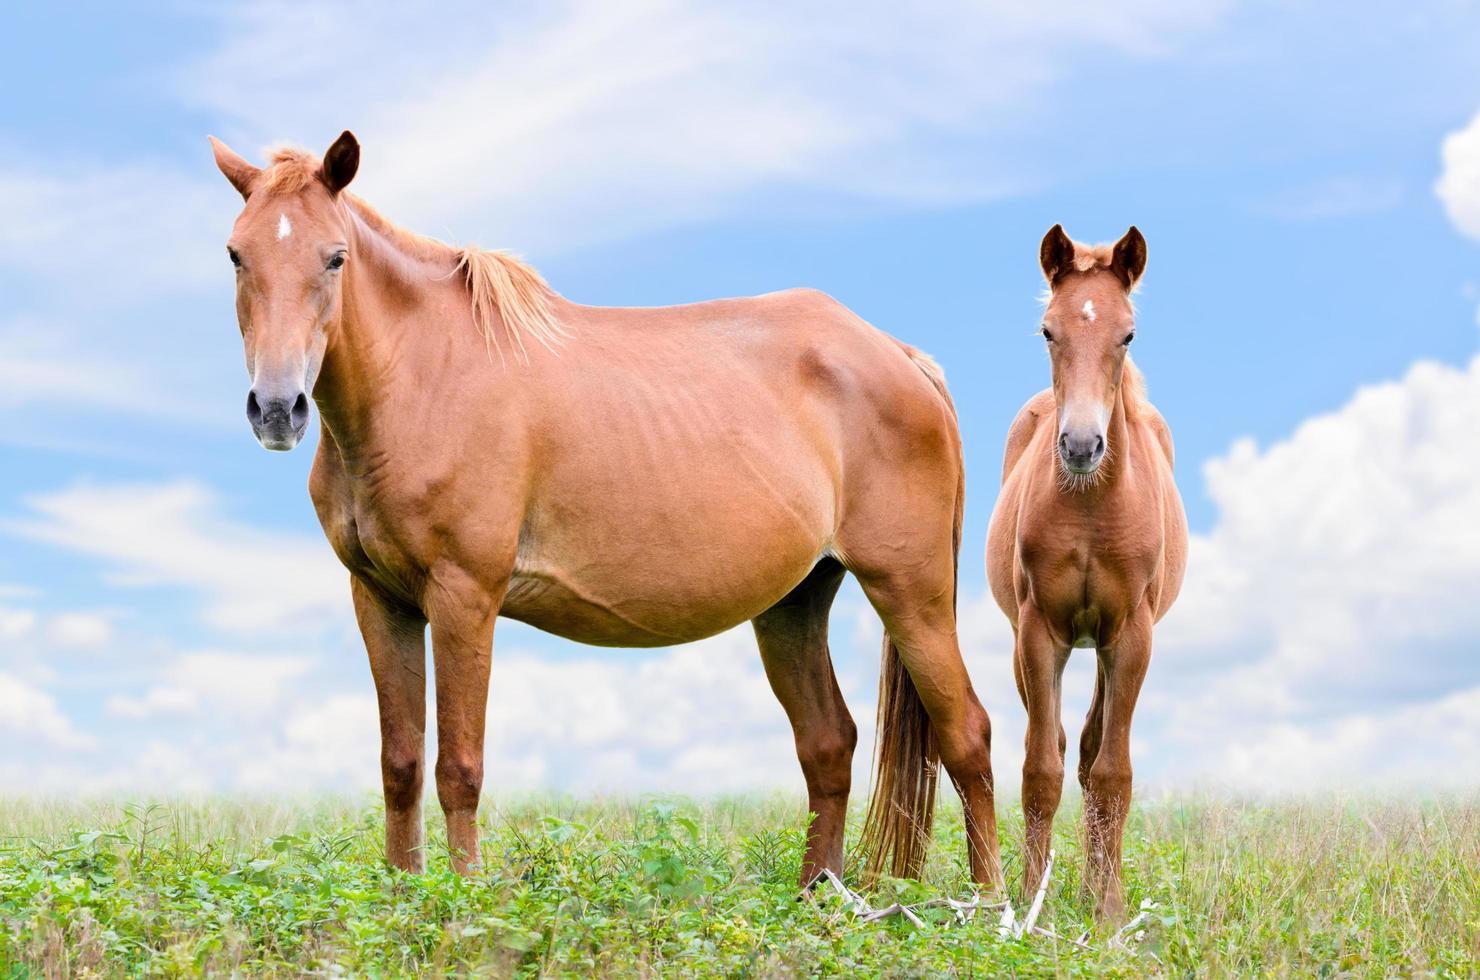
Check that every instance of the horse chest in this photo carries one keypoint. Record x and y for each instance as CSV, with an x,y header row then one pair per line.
x,y
358,532
1075,565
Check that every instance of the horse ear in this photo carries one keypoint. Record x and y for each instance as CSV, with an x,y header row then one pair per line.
x,y
1056,254
341,162
1129,259
238,171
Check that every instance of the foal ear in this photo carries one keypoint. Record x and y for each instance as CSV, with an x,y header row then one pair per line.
x,y
341,162
238,171
1129,259
1056,254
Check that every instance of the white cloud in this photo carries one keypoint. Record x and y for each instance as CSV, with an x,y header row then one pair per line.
x,y
173,534
139,227
80,630
29,713
1335,197
15,623
543,128
1459,182
238,682
156,702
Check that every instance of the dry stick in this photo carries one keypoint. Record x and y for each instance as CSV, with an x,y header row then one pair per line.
x,y
1118,938
1006,925
1037,905
1050,934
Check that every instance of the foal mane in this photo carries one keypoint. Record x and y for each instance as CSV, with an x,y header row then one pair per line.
x,y
501,287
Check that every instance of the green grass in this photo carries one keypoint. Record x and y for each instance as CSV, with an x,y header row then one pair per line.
x,y
1363,887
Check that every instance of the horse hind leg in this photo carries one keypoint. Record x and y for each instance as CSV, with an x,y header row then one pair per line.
x,y
919,617
792,636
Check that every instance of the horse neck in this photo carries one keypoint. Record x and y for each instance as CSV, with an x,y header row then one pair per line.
x,y
379,351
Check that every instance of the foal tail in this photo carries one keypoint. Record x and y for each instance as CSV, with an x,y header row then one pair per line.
x,y
896,832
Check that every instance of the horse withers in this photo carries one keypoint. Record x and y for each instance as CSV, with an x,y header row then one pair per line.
x,y
1087,545
624,477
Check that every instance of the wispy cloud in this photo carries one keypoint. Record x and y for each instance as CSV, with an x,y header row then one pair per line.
x,y
149,535
590,121
1335,197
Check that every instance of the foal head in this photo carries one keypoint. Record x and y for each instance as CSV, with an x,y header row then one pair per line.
x,y
1088,325
289,247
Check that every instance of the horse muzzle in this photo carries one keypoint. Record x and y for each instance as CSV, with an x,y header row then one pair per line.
x,y
1081,452
279,420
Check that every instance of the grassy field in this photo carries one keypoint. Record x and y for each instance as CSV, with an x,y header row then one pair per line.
x,y
1361,887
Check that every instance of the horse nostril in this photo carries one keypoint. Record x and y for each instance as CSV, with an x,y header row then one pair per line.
x,y
254,410
1099,445
299,414
1064,441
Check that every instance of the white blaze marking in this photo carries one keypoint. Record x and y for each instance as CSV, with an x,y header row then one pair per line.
x,y
1089,304
284,228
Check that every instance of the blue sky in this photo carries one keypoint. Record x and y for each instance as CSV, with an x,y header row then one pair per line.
x,y
171,619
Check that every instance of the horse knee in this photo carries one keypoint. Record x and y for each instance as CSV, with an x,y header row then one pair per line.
x,y
1109,782
459,781
827,758
400,771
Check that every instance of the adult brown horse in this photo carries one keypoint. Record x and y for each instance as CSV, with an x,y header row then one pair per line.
x,y
625,477
1087,545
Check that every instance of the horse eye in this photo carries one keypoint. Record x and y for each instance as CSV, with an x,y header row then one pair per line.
x,y
236,258
337,261
1128,338
1046,335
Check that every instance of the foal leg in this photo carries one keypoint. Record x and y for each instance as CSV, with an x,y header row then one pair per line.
x,y
462,648
396,643
1107,791
1089,750
793,639
921,620
1040,665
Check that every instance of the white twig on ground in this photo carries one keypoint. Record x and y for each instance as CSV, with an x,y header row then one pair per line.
x,y
1008,924
1037,905
1130,928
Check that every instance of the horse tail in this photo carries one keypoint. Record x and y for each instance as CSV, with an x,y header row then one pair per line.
x,y
901,814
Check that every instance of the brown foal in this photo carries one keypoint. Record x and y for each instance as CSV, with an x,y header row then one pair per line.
x,y
1087,545
624,477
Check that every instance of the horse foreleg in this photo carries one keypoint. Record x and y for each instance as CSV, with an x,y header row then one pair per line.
x,y
793,641
1040,666
396,643
1107,790
462,647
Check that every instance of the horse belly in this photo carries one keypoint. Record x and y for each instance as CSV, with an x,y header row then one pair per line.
x,y
663,578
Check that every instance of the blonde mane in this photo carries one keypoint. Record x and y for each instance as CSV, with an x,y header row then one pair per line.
x,y
1134,382
501,287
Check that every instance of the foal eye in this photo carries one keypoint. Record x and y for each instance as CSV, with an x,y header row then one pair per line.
x,y
1046,335
337,262
1128,338
236,258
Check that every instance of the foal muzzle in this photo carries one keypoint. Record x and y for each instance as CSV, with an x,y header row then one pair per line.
x,y
1081,452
